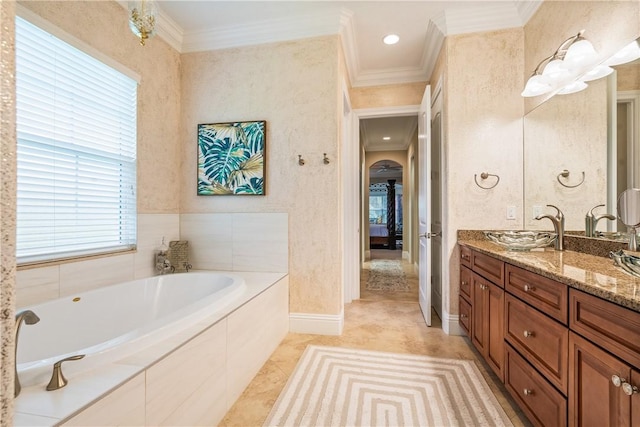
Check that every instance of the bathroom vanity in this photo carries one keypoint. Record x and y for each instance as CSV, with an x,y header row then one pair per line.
x,y
560,329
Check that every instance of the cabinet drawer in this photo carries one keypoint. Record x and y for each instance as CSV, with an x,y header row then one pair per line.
x,y
612,327
488,267
466,278
543,341
465,256
546,295
465,316
543,404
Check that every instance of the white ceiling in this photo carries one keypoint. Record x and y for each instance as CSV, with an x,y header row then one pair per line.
x,y
191,26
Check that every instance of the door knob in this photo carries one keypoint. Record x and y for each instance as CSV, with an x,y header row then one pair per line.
x,y
437,234
424,235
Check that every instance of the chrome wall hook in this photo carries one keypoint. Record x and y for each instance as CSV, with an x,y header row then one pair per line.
x,y
565,174
485,175
300,160
326,159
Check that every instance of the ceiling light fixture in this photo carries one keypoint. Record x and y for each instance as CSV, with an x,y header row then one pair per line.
x,y
391,39
142,18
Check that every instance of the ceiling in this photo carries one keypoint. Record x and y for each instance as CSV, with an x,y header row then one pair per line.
x,y
192,26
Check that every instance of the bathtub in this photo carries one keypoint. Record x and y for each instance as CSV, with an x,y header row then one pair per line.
x,y
113,322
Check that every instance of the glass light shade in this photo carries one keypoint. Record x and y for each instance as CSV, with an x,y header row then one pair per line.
x,y
579,54
536,85
596,73
574,87
629,53
142,18
554,71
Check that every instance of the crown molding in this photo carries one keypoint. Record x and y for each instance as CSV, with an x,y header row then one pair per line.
x,y
526,9
170,31
435,39
349,45
483,18
273,30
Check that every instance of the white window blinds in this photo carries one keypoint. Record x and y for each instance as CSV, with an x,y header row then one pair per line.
x,y
76,129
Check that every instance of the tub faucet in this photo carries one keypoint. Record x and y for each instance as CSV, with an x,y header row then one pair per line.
x,y
30,318
558,226
591,221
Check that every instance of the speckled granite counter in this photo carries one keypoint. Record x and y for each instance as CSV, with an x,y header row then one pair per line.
x,y
592,274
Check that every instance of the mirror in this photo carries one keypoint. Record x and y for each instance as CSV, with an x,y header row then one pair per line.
x,y
629,213
581,151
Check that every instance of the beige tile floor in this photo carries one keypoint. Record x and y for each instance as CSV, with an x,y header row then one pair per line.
x,y
374,322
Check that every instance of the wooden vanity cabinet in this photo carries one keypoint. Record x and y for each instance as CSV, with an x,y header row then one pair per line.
x,y
488,323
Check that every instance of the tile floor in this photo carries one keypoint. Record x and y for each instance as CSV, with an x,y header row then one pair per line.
x,y
375,322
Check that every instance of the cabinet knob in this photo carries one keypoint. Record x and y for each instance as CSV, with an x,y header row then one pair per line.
x,y
463,283
527,334
617,381
463,316
629,389
527,392
529,288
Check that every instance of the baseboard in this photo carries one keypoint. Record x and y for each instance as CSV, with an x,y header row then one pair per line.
x,y
320,324
405,254
451,324
367,255
416,268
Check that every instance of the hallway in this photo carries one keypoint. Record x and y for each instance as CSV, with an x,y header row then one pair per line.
x,y
381,321
393,259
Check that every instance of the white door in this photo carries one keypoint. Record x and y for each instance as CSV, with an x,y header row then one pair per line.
x,y
435,205
424,203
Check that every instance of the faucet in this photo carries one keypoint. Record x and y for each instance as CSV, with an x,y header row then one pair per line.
x,y
558,226
30,318
591,221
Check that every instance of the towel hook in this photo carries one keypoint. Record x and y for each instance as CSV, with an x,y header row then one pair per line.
x,y
485,175
325,160
300,160
565,174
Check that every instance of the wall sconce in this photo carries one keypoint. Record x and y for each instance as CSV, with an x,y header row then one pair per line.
x,y
565,69
142,18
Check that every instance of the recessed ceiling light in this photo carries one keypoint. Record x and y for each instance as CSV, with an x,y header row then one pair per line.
x,y
391,39
386,138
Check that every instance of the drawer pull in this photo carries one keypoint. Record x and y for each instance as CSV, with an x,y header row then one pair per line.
x,y
463,316
463,283
467,257
529,288
629,389
528,334
617,381
527,392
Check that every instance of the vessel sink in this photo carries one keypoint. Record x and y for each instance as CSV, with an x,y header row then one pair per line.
x,y
521,240
627,262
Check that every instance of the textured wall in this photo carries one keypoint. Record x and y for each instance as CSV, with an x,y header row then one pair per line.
x,y
629,76
7,209
387,95
483,133
104,26
293,86
608,25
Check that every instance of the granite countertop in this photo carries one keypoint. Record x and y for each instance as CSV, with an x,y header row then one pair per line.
x,y
595,275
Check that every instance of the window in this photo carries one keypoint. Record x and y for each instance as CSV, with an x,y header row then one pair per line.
x,y
76,155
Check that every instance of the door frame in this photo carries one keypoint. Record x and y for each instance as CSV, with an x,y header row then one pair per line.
x,y
360,114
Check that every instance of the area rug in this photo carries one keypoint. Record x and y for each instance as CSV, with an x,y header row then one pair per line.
x,y
387,275
333,386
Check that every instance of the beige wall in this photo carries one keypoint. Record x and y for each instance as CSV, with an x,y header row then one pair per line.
x,y
387,95
483,133
104,26
608,25
628,77
293,86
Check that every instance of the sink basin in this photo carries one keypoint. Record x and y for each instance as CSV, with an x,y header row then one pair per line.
x,y
613,235
627,262
521,240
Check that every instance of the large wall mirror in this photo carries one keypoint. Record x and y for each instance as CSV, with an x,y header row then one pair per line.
x,y
582,150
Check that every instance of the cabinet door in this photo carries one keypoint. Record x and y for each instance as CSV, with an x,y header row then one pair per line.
x,y
495,340
479,312
635,399
465,316
594,400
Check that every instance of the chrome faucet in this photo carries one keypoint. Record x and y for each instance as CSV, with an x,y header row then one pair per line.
x,y
591,221
30,318
558,226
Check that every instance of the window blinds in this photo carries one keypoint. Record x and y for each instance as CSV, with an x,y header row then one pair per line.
x,y
76,155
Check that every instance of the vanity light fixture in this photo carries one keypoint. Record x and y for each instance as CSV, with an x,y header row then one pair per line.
x,y
573,87
629,53
142,18
567,62
391,39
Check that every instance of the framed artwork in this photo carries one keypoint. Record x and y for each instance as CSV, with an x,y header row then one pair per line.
x,y
231,158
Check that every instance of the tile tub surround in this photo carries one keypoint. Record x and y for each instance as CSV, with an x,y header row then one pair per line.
x,y
592,274
262,308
